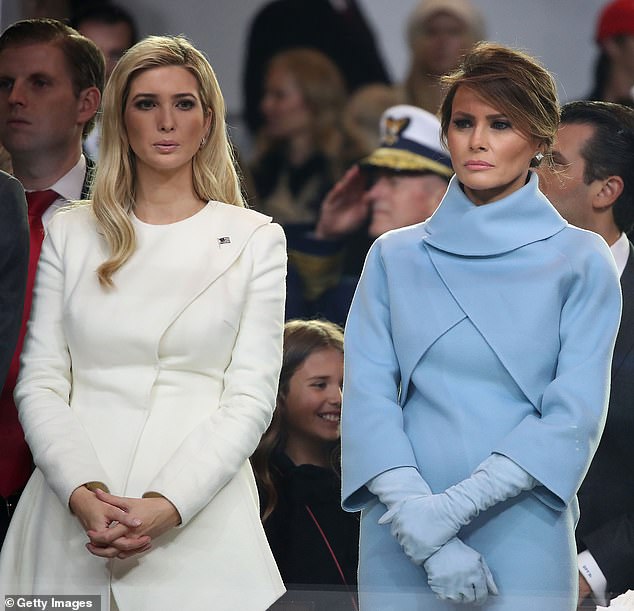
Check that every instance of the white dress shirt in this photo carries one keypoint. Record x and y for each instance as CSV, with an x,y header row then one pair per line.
x,y
69,188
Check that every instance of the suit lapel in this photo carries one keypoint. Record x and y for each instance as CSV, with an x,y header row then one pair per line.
x,y
625,338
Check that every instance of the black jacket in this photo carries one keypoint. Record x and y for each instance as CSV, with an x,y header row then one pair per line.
x,y
606,497
300,550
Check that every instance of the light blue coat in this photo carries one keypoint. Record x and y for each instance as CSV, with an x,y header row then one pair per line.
x,y
484,329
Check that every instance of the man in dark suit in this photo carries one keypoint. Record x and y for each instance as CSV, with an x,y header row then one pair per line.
x,y
51,79
592,186
337,28
14,259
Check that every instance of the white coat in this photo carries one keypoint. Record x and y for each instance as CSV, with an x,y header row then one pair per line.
x,y
106,395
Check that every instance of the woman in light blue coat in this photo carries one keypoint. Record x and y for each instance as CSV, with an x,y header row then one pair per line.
x,y
478,351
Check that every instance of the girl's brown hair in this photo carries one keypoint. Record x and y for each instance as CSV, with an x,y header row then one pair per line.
x,y
301,339
515,83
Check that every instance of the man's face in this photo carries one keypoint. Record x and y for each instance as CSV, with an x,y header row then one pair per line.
x,y
114,39
39,111
401,200
564,186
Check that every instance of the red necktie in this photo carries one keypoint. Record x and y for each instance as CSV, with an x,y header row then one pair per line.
x,y
15,459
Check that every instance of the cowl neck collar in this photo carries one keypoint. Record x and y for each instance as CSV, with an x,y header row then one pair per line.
x,y
460,227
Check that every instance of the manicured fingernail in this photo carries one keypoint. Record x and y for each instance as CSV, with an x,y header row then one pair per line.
x,y
136,522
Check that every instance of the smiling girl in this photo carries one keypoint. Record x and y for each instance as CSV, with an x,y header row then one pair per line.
x,y
478,351
297,468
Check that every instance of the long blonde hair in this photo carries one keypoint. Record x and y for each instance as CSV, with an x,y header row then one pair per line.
x,y
214,170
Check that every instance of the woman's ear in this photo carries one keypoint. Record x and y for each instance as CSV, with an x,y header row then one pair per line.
x,y
209,118
540,152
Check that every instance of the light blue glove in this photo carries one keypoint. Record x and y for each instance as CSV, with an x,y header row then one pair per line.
x,y
455,572
423,524
458,573
394,486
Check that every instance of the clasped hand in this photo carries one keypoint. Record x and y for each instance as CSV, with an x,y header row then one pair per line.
x,y
459,573
426,530
120,526
422,525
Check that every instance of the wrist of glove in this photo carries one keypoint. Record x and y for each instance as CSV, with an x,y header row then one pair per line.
x,y
395,486
496,479
422,524
458,573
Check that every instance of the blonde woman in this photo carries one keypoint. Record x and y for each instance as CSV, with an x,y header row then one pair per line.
x,y
299,149
151,366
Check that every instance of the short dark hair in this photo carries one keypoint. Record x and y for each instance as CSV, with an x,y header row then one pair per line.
x,y
609,151
84,59
105,12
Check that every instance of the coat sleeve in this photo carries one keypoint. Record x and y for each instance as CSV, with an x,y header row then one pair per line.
x,y
59,443
556,444
372,435
191,477
612,546
14,259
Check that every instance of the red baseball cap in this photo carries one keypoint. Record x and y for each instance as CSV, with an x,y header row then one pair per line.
x,y
616,18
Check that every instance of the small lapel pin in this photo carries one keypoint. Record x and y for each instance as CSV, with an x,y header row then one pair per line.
x,y
224,240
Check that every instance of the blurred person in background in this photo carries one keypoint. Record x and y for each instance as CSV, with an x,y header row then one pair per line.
x,y
337,28
400,183
110,27
439,33
299,147
114,31
614,69
361,120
